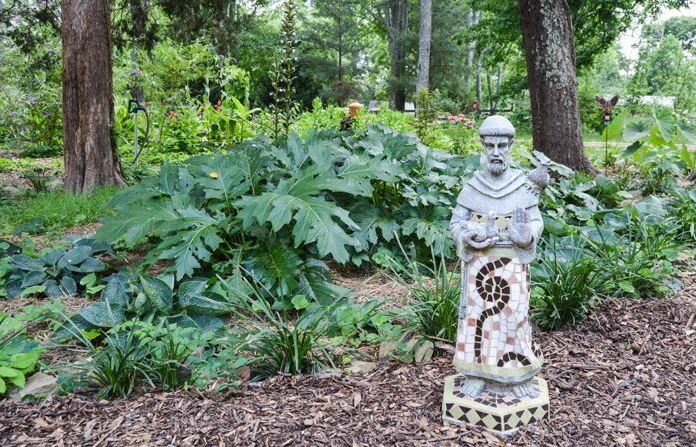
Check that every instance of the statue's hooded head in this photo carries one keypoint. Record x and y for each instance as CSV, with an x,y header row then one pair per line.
x,y
497,134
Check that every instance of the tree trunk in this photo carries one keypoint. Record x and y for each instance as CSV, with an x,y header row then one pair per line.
x,y
472,19
396,15
548,42
90,156
339,24
499,77
426,18
479,89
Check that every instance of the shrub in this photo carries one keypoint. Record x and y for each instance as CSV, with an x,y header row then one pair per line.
x,y
278,211
433,310
121,366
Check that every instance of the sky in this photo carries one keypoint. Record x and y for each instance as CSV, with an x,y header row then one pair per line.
x,y
630,38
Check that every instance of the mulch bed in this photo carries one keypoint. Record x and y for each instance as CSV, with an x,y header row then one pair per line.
x,y
624,377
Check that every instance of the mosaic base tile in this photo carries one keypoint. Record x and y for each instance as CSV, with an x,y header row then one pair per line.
x,y
496,409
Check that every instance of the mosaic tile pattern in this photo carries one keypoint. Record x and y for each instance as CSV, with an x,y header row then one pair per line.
x,y
495,409
494,338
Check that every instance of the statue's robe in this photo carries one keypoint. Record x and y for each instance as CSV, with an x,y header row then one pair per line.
x,y
494,336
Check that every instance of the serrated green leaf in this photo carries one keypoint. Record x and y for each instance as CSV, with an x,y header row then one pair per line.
x,y
131,225
298,200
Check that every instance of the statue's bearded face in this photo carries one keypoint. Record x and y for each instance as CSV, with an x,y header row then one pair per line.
x,y
497,150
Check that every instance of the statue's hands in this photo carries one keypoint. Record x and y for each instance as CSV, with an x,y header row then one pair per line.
x,y
520,230
478,237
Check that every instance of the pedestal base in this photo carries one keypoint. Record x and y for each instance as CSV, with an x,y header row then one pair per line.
x,y
496,408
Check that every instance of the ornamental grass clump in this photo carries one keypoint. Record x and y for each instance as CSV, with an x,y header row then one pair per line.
x,y
565,284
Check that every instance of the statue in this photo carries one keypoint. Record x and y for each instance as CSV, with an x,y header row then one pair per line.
x,y
496,225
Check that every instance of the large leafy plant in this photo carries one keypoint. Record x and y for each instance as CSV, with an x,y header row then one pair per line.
x,y
280,211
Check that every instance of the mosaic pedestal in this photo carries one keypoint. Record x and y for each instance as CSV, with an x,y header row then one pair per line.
x,y
496,408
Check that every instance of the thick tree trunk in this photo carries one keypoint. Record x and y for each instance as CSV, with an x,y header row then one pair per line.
x,y
396,15
553,88
88,108
426,18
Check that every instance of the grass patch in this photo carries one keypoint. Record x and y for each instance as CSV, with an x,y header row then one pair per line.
x,y
53,211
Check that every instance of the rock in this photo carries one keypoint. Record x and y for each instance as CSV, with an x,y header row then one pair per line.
x,y
424,352
55,184
10,190
360,367
386,348
39,385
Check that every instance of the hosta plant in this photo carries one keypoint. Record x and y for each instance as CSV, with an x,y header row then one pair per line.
x,y
149,299
57,272
18,354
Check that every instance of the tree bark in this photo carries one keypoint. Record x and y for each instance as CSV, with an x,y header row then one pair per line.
x,y
550,53
396,18
426,18
90,156
472,19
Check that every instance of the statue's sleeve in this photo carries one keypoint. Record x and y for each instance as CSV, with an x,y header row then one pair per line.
x,y
458,225
527,254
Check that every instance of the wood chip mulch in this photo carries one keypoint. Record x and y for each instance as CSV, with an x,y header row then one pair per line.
x,y
624,377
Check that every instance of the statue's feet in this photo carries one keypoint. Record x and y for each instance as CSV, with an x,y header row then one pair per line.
x,y
524,389
473,387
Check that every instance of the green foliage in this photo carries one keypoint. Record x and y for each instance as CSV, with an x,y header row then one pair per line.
x,y
55,210
30,96
18,354
280,345
634,253
682,211
434,310
655,150
425,114
57,272
149,299
284,108
275,209
39,178
566,281
122,366
189,128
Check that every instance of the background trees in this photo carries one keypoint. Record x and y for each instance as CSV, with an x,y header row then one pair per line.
x,y
188,52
